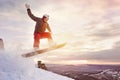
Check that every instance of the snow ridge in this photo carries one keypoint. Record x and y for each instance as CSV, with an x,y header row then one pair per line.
x,y
14,67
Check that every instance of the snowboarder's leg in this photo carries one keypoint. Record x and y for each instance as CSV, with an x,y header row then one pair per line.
x,y
36,40
49,37
36,43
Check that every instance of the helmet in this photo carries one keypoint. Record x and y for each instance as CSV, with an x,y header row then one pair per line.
x,y
46,16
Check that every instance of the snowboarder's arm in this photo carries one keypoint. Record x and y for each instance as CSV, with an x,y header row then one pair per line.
x,y
30,13
48,28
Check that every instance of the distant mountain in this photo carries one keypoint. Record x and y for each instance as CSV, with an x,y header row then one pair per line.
x,y
107,74
83,68
87,72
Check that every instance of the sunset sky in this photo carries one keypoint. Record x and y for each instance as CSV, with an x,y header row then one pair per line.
x,y
91,29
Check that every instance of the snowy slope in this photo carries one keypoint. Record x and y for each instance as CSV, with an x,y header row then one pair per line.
x,y
14,67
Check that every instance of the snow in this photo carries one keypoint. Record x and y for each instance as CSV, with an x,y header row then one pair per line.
x,y
15,67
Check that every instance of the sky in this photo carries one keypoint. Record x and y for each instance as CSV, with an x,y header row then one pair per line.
x,y
91,29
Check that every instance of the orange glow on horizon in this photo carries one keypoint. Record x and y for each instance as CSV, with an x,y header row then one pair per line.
x,y
77,62
67,62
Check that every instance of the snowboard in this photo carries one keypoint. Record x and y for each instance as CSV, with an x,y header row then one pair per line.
x,y
36,52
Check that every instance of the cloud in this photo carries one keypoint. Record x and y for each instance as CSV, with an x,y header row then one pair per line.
x,y
105,30
92,27
113,3
6,4
117,45
103,56
111,55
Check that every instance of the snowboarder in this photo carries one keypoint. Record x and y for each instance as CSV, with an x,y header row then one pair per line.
x,y
40,28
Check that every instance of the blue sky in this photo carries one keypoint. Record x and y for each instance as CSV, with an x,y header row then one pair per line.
x,y
90,28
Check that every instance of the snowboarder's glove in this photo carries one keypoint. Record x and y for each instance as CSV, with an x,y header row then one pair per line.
x,y
27,6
